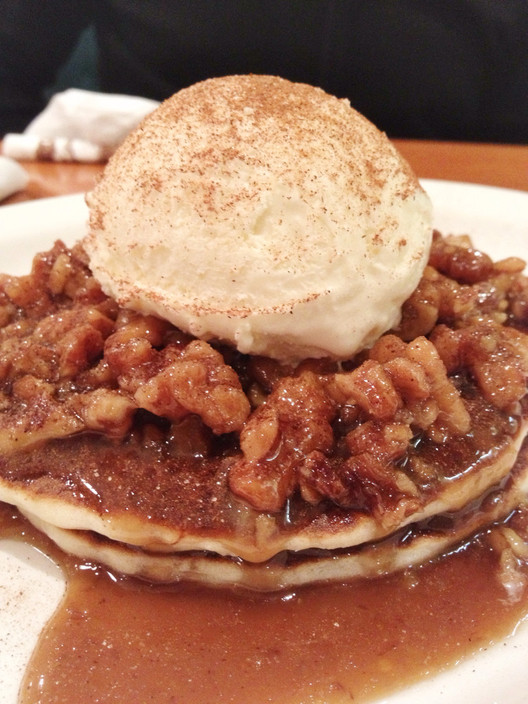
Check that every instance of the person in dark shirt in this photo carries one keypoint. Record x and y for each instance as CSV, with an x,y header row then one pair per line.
x,y
417,68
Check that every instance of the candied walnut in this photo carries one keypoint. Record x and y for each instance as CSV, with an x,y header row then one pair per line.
x,y
387,347
34,416
7,309
20,357
370,387
65,274
23,294
131,325
364,482
56,276
103,363
368,479
129,359
78,349
461,286
293,422
518,300
105,411
428,398
458,260
261,436
29,387
387,441
409,379
197,381
131,349
31,293
60,272
420,311
289,438
52,328
452,412
437,298
61,345
97,376
495,356
510,265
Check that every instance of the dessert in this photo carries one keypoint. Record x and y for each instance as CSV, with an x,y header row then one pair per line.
x,y
172,452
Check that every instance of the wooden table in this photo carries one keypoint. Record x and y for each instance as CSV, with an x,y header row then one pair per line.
x,y
495,165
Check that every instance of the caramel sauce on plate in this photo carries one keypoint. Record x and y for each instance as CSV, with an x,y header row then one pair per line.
x,y
120,640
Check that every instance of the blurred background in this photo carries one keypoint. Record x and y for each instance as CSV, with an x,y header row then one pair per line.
x,y
435,69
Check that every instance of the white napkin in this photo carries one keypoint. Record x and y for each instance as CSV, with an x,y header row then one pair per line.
x,y
79,125
13,177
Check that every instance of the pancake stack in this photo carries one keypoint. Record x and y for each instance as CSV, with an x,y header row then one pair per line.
x,y
370,419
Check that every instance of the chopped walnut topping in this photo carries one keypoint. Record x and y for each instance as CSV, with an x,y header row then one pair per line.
x,y
105,411
370,387
34,415
367,480
460,287
293,422
323,433
286,444
496,357
197,381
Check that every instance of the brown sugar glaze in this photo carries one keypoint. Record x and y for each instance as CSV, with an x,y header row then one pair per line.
x,y
116,640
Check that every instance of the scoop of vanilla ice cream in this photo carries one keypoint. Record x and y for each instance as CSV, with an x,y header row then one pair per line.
x,y
264,213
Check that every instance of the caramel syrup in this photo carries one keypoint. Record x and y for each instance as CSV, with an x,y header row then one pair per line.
x,y
119,640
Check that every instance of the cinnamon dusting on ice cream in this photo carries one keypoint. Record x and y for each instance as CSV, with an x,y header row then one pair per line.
x,y
264,213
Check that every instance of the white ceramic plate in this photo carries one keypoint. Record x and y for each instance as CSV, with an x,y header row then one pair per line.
x,y
31,586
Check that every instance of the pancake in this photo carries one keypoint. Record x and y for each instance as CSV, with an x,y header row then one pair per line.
x,y
137,446
408,547
186,506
